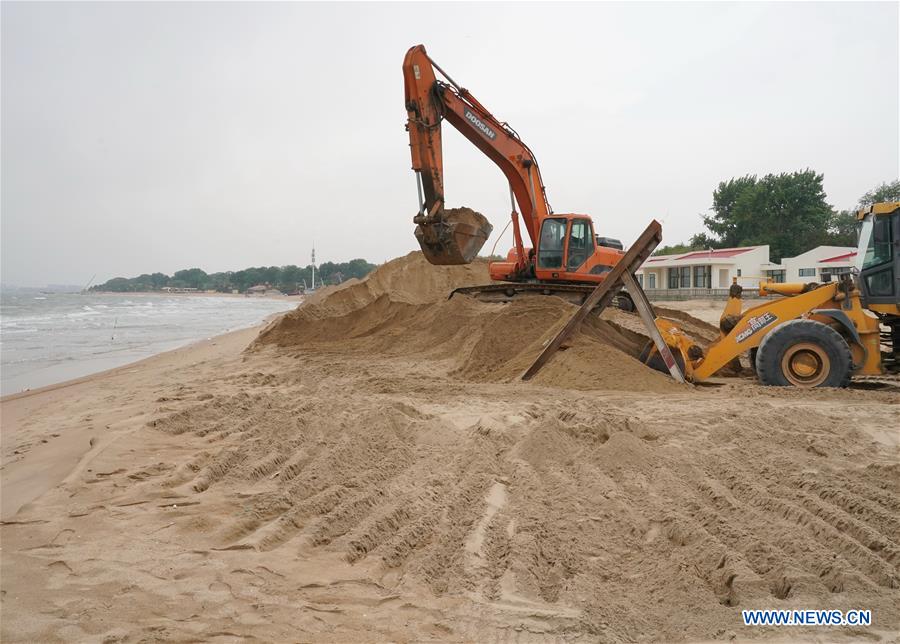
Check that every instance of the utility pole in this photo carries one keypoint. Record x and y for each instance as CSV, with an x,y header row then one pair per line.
x,y
313,267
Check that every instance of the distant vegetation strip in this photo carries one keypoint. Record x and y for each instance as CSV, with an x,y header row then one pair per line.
x,y
284,278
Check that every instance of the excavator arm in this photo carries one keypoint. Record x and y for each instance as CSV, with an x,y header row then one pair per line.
x,y
430,101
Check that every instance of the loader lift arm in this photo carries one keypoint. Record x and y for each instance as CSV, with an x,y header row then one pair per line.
x,y
429,101
812,335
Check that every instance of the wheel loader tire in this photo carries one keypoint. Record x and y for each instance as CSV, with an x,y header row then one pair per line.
x,y
804,353
656,361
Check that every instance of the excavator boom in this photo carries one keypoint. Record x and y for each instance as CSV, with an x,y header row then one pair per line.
x,y
429,101
564,248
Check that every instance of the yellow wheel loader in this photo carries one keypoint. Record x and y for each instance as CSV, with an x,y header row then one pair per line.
x,y
813,335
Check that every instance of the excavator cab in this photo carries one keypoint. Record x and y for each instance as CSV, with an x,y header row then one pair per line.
x,y
565,244
568,251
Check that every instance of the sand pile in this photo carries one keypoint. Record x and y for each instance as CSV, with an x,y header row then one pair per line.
x,y
409,279
359,307
401,308
505,340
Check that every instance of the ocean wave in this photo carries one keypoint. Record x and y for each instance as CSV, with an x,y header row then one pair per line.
x,y
27,319
68,329
83,314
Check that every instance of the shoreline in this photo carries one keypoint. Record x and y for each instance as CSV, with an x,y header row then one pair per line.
x,y
290,298
63,371
69,382
48,458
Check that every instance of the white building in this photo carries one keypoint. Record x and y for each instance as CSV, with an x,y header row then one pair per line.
x,y
712,270
705,269
815,265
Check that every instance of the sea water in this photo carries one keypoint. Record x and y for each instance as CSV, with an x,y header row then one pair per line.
x,y
52,337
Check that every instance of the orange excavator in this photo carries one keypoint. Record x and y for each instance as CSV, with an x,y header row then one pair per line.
x,y
566,257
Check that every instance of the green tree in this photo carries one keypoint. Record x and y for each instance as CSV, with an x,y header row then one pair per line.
x,y
885,192
142,282
843,228
271,274
357,268
220,282
730,204
787,211
675,249
158,280
702,241
242,280
289,279
116,285
190,278
325,271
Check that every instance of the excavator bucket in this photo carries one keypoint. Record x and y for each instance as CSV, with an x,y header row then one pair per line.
x,y
454,236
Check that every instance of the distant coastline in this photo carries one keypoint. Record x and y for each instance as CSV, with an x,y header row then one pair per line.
x,y
256,280
263,296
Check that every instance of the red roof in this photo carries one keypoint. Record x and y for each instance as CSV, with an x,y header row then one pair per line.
x,y
703,254
713,254
840,258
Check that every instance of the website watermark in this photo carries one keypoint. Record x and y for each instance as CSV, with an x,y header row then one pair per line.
x,y
769,617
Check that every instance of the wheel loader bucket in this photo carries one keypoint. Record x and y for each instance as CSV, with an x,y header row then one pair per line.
x,y
454,237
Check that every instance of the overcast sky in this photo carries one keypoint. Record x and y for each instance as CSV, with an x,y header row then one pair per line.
x,y
154,137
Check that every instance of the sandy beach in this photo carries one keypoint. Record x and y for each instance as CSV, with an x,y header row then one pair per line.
x,y
369,468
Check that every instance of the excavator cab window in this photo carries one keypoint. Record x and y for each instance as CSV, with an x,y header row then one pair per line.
x,y
580,244
550,250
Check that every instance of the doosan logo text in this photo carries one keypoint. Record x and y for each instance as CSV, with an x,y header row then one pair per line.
x,y
477,122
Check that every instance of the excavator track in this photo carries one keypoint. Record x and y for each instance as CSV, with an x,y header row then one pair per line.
x,y
506,292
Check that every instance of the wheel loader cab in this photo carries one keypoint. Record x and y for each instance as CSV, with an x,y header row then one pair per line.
x,y
878,257
568,251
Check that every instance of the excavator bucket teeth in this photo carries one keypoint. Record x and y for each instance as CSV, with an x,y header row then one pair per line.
x,y
454,237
